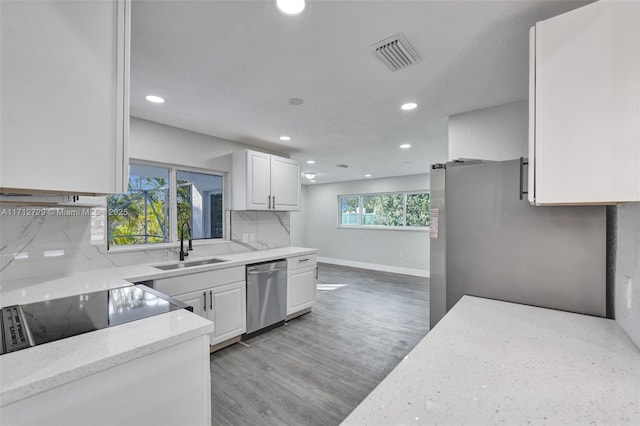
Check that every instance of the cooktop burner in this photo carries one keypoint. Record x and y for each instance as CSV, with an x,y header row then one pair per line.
x,y
42,322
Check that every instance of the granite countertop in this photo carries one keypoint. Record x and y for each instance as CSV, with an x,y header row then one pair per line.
x,y
34,370
489,362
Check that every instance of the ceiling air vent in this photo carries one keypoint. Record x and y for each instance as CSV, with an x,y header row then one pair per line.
x,y
396,52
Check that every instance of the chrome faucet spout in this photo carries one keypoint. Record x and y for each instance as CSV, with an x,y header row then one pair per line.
x,y
184,252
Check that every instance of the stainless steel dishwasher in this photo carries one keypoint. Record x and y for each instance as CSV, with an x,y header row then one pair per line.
x,y
266,296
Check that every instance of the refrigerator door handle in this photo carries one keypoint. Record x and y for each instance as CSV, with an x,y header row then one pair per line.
x,y
523,162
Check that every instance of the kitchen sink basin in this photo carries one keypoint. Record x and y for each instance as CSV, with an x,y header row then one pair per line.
x,y
180,265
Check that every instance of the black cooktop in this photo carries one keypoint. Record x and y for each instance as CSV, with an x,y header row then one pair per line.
x,y
42,322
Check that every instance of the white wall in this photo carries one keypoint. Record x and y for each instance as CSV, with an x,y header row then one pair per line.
x,y
165,144
497,133
390,250
299,222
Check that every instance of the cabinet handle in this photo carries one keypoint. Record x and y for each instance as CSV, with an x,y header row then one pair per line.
x,y
204,307
211,300
269,198
303,260
523,162
316,272
274,202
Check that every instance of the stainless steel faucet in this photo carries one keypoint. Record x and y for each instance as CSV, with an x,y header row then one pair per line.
x,y
184,252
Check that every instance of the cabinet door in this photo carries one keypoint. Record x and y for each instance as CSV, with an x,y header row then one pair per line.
x,y
285,183
228,311
64,101
587,105
301,289
197,300
258,180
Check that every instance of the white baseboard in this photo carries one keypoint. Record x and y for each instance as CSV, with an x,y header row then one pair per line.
x,y
376,267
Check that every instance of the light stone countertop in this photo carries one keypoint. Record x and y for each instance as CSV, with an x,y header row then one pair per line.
x,y
34,370
20,292
40,368
489,362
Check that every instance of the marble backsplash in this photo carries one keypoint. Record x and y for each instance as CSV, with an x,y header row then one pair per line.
x,y
51,242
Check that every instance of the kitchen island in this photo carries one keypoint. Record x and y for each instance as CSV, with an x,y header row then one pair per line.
x,y
491,362
150,371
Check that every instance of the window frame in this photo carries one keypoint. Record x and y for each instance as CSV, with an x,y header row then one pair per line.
x,y
174,237
360,211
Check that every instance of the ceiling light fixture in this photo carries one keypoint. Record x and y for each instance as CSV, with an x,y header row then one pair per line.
x,y
295,101
405,146
309,175
312,181
290,7
409,106
367,175
155,99
285,138
311,162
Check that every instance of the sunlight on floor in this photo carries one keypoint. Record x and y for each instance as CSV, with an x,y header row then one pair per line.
x,y
327,287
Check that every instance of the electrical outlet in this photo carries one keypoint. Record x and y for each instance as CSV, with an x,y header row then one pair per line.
x,y
629,287
245,238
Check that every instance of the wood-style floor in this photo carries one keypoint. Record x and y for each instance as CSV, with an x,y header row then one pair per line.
x,y
317,368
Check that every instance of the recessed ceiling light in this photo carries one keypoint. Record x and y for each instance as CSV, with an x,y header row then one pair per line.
x,y
296,101
309,175
311,162
155,99
285,138
290,7
367,175
409,106
405,146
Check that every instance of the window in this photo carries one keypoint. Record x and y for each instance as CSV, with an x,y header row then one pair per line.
x,y
159,200
199,199
408,210
141,215
350,210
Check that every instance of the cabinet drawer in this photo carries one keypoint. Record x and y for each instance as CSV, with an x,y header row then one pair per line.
x,y
301,261
199,281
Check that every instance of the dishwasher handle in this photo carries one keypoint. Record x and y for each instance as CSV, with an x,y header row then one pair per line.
x,y
270,271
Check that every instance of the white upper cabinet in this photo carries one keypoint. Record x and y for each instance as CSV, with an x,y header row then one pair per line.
x,y
65,96
584,136
265,182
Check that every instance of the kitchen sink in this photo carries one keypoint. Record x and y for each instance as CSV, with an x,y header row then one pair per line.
x,y
180,265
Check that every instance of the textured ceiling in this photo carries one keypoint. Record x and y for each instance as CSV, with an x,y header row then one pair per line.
x,y
228,68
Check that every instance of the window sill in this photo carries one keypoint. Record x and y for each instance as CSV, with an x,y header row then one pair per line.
x,y
164,246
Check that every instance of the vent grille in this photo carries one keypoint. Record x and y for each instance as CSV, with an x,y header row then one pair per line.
x,y
396,52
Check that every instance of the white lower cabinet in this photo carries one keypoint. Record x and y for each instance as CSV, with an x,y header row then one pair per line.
x,y
301,283
227,310
214,296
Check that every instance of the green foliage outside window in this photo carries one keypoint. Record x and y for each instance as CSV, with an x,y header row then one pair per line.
x,y
418,209
140,216
385,210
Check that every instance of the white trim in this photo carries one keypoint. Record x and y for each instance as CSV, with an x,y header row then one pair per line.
x,y
376,267
386,228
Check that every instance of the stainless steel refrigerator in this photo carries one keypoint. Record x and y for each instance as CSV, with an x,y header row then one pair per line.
x,y
488,241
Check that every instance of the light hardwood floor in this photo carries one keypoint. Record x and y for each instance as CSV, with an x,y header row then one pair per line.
x,y
317,368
